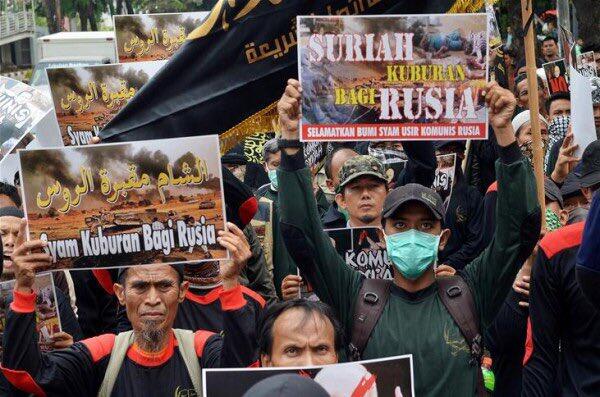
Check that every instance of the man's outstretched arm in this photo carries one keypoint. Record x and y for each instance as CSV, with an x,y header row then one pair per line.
x,y
518,217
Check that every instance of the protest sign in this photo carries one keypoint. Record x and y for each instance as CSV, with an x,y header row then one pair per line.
x,y
392,156
582,111
556,75
152,37
399,77
384,377
444,176
586,64
46,308
86,98
130,203
494,40
363,249
21,108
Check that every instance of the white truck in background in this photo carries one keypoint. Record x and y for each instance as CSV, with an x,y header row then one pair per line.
x,y
71,49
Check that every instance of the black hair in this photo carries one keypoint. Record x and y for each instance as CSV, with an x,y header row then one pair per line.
x,y
123,272
12,193
520,78
548,38
555,97
267,318
270,147
329,159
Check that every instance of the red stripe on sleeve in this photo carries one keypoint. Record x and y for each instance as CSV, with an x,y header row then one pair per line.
x,y
104,279
254,295
100,346
528,342
23,381
232,299
561,239
200,338
23,302
492,188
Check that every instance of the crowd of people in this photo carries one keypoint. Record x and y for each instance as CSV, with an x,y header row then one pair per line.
x,y
477,284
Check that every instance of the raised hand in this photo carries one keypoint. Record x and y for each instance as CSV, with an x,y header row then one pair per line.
x,y
501,104
566,161
234,240
290,287
27,258
289,110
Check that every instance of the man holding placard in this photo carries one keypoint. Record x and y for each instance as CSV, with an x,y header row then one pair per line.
x,y
414,319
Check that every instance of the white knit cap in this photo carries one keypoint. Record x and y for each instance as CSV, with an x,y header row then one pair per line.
x,y
524,117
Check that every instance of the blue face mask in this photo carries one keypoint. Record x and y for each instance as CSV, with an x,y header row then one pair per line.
x,y
412,252
273,178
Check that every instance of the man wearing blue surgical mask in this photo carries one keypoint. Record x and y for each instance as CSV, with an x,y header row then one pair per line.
x,y
414,317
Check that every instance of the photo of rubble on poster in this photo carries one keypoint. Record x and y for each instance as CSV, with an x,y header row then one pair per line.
x,y
152,37
46,309
397,77
124,204
86,98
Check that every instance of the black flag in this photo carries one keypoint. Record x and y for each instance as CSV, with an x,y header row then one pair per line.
x,y
233,68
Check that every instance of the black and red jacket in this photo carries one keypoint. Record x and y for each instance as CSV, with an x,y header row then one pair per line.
x,y
80,369
563,338
202,309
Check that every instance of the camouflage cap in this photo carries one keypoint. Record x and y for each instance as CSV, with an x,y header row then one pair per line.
x,y
358,166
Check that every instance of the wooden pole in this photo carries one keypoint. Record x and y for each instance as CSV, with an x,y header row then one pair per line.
x,y
534,105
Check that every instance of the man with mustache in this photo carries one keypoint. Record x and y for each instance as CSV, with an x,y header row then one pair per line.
x,y
154,358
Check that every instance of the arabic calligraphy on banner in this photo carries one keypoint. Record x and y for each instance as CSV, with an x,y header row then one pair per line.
x,y
87,98
126,203
150,37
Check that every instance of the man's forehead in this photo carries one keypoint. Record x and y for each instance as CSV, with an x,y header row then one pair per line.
x,y
151,273
340,157
295,319
10,222
413,209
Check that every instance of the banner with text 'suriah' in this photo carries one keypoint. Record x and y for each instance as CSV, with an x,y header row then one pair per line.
x,y
124,204
397,77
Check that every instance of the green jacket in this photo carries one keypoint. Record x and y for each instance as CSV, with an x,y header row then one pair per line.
x,y
417,323
283,264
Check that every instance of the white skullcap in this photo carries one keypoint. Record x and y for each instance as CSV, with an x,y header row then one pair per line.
x,y
524,117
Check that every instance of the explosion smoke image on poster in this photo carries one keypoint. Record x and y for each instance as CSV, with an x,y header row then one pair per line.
x,y
151,37
86,98
127,203
393,77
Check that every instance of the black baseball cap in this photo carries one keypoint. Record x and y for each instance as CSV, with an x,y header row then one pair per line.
x,y
571,186
413,192
552,192
590,165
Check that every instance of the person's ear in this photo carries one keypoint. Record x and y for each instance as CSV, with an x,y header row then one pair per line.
x,y
563,217
265,361
587,193
340,200
119,293
444,237
329,183
183,288
266,167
